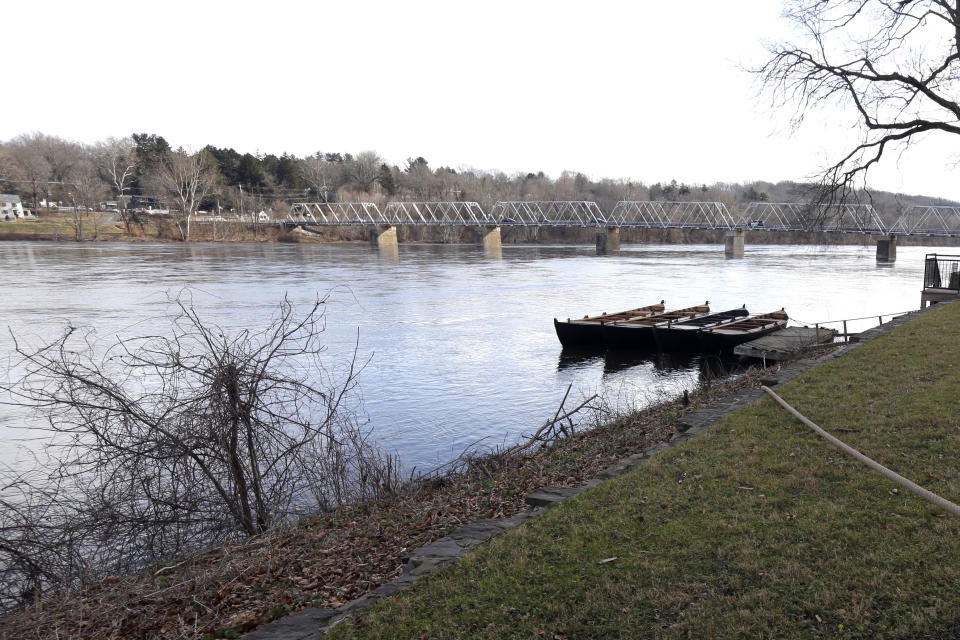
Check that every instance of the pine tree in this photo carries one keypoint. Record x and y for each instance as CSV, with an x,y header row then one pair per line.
x,y
385,178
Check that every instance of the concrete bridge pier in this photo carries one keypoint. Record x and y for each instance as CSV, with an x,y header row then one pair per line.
x,y
384,237
489,238
887,249
733,243
608,241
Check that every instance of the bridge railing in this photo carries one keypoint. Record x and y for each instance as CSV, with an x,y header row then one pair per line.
x,y
548,213
469,214
336,213
941,272
682,215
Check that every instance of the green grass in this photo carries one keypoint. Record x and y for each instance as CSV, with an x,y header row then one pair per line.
x,y
756,529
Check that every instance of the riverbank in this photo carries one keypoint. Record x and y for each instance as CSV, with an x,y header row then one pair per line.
x,y
756,528
334,559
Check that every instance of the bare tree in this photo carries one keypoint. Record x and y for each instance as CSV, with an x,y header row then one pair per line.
x,y
7,167
893,65
30,168
188,178
117,161
165,444
364,170
85,190
61,156
320,174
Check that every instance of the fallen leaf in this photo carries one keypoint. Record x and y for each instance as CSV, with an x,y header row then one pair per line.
x,y
606,560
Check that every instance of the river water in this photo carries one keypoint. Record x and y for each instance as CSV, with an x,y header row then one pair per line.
x,y
460,345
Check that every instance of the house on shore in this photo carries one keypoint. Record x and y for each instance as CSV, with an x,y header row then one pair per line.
x,y
10,207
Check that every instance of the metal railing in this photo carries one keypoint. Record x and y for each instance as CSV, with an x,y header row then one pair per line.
x,y
851,327
941,272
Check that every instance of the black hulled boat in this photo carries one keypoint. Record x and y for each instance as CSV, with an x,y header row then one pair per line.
x,y
682,335
725,337
586,331
637,333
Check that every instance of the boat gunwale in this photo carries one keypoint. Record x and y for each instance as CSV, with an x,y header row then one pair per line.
x,y
662,318
747,325
686,324
605,318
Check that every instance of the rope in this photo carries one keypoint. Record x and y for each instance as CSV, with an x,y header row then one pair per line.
x,y
929,496
884,315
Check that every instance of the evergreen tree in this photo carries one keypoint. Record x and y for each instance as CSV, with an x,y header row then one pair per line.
x,y
385,178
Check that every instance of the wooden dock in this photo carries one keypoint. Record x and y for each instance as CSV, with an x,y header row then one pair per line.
x,y
933,295
785,344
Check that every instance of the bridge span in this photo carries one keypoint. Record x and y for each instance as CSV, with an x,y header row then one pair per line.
x,y
786,217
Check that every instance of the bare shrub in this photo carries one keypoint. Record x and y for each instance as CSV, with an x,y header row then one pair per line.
x,y
163,444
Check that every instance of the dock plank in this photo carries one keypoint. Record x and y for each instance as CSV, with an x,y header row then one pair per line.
x,y
785,344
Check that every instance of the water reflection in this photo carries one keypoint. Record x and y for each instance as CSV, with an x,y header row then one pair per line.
x,y
571,357
494,252
616,360
389,253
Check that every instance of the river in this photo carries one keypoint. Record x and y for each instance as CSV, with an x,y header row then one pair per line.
x,y
460,345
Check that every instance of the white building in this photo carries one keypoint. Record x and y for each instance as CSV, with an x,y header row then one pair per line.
x,y
10,207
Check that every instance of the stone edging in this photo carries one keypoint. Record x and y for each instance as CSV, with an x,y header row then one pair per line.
x,y
312,623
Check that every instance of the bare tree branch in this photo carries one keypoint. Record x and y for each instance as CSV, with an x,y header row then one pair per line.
x,y
893,64
162,444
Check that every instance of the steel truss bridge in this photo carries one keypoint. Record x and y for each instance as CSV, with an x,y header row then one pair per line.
x,y
759,216
928,221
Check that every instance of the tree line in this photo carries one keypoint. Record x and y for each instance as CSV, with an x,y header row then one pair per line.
x,y
143,167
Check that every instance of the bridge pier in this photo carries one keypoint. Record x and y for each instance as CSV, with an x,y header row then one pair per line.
x,y
887,249
384,237
489,238
733,243
608,241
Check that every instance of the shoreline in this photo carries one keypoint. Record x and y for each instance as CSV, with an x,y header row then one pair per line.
x,y
362,548
751,527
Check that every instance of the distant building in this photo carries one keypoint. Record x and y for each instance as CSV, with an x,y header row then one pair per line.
x,y
10,207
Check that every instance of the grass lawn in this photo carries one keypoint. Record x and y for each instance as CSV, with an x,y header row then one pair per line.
x,y
59,224
756,529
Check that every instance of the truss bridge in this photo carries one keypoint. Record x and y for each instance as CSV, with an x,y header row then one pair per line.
x,y
792,216
783,217
934,221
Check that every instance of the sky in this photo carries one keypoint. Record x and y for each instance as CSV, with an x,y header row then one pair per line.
x,y
641,90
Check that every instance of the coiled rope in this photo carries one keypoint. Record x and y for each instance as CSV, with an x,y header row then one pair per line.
x,y
913,487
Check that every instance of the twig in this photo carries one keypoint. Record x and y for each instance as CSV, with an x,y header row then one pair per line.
x,y
536,436
173,566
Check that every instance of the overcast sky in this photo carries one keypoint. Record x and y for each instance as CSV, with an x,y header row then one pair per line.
x,y
632,89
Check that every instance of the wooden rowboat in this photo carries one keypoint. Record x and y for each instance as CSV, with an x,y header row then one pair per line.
x,y
586,332
682,335
725,337
637,333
